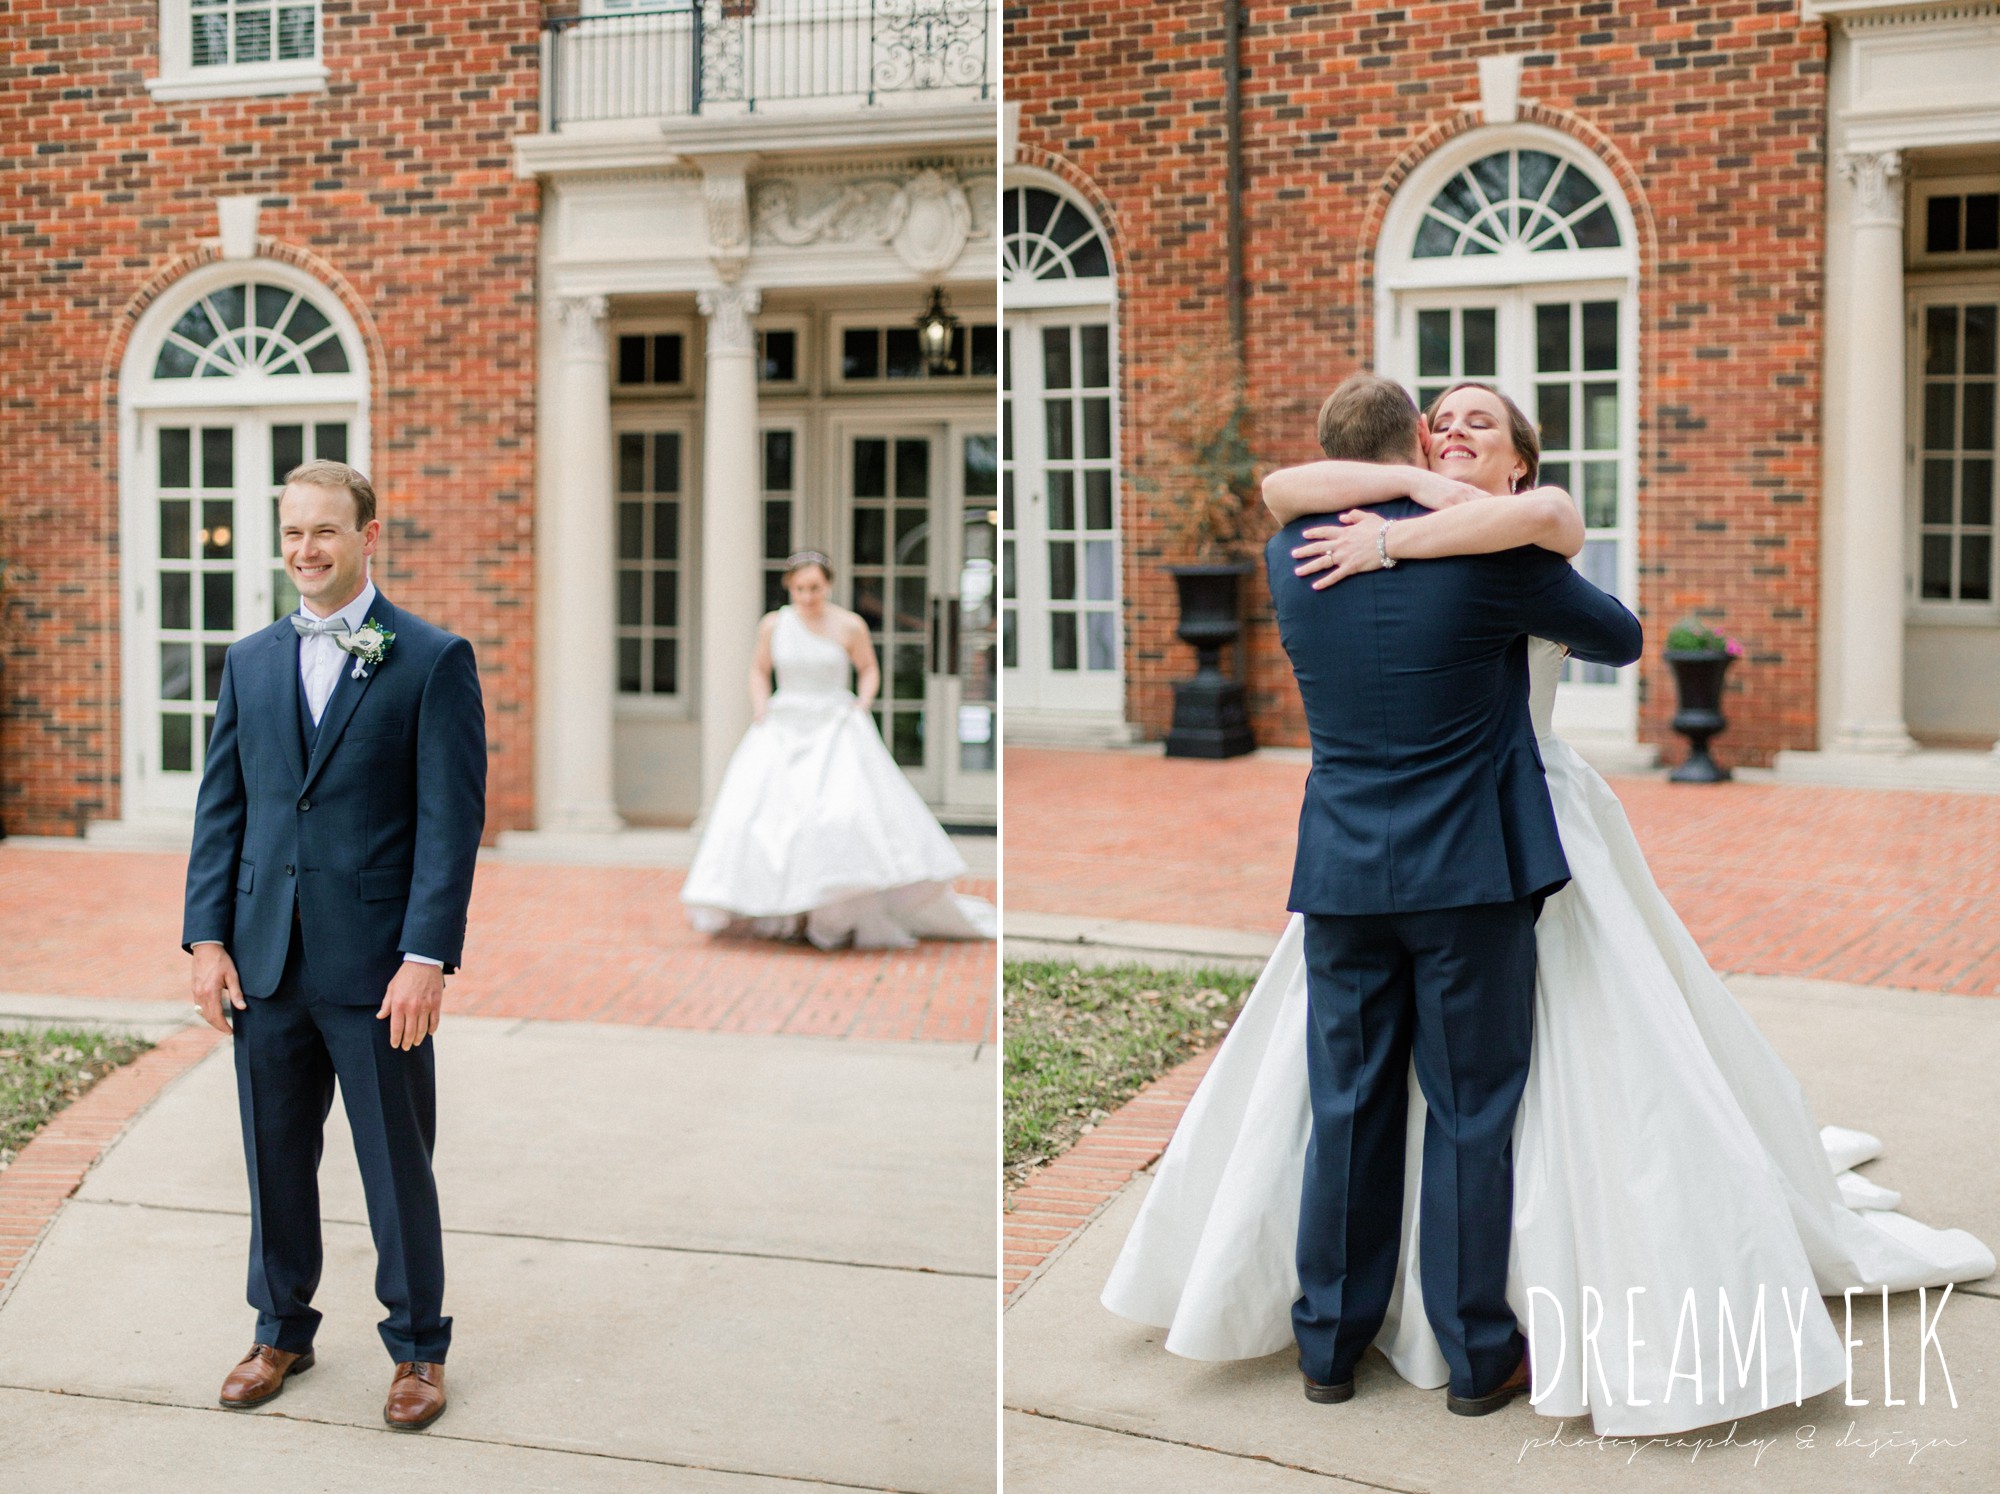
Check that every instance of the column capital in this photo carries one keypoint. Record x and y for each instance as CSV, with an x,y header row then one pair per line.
x,y
582,319
729,309
1878,201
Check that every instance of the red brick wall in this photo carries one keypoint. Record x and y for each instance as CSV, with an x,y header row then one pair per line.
x,y
395,187
1711,116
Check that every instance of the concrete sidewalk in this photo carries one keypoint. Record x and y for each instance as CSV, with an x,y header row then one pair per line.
x,y
678,1260
1095,1404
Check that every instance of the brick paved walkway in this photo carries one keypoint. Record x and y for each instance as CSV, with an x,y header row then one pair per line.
x,y
1868,886
588,944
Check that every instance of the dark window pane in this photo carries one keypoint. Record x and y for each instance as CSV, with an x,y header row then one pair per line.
x,y
1941,225
1434,344
1976,491
288,450
860,353
1094,346
1937,490
777,461
295,31
218,458
1062,640
774,591
908,680
1940,430
1982,222
1552,339
253,36
667,358
1007,500
871,469
1937,568
631,360
631,531
229,304
913,532
777,528
1572,190
1491,173
1010,640
1062,571
985,352
1062,500
1600,336
271,301
218,529
1534,168
1940,340
176,525
1600,495
1088,260
218,602
1097,499
906,739
629,682
666,666
212,657
327,357
174,362
177,743
1055,358
631,462
913,469
781,358
1977,432
666,531
1434,240
177,671
666,599
667,462
1598,230
1058,445
868,601
905,358
1555,475
982,467
1552,415
1975,568
175,446
330,441
1097,429
1979,339
1007,570
871,536
631,598
176,600
1478,335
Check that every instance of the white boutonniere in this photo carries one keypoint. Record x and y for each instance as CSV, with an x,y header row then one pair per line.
x,y
369,644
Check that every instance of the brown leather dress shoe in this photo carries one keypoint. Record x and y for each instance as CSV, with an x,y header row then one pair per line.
x,y
260,1375
1493,1400
416,1396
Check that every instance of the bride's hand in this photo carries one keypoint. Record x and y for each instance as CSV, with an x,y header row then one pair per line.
x,y
1340,550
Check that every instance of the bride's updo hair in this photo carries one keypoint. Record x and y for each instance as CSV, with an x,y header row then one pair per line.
x,y
798,560
1527,443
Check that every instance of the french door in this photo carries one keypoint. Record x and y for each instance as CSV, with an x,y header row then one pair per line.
x,y
1062,633
1566,355
919,529
203,569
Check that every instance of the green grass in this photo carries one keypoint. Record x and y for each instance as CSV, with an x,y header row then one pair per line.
x,y
41,1072
1079,1043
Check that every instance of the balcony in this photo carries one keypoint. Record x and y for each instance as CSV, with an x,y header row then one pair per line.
x,y
736,59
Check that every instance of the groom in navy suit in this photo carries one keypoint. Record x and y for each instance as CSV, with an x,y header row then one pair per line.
x,y
1427,843
340,813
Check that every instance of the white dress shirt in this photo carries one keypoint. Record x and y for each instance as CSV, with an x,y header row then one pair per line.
x,y
320,663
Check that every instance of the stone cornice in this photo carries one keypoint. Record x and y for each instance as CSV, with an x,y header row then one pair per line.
x,y
1855,15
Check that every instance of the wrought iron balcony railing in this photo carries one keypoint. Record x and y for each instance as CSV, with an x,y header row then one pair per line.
x,y
738,56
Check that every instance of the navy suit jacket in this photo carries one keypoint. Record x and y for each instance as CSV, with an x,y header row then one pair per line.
x,y
1427,789
373,839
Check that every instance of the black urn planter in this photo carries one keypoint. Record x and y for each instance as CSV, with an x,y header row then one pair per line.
x,y
1698,679
1211,716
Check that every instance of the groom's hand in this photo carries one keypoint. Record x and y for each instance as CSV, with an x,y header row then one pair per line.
x,y
414,1005
215,980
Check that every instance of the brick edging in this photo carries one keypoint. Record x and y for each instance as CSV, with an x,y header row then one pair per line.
x,y
1075,1188
36,1184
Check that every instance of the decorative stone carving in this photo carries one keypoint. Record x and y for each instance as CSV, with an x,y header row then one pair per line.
x,y
725,192
729,310
936,222
926,218
1878,199
582,319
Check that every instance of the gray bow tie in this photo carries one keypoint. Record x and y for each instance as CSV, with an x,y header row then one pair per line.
x,y
309,627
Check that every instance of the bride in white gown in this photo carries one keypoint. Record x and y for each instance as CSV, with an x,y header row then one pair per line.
x,y
815,832
1661,1145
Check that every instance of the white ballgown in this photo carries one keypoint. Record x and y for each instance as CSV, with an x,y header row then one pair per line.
x,y
1660,1144
816,831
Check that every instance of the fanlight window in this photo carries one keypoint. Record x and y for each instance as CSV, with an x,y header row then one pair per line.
x,y
1515,200
251,328
1045,237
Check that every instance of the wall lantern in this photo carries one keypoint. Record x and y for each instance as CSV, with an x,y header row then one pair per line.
x,y
937,329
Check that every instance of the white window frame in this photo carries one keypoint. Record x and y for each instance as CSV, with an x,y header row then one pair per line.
x,y
1953,290
837,326
692,357
179,79
801,382
808,523
684,704
1917,223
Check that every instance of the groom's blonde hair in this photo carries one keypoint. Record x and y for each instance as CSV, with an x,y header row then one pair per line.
x,y
1370,419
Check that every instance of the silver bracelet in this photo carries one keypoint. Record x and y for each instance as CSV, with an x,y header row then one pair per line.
x,y
1382,545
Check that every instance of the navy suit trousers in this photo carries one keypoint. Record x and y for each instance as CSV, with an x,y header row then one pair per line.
x,y
1453,988
291,1047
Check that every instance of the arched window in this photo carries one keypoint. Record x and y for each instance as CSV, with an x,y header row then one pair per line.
x,y
236,375
1061,629
1509,258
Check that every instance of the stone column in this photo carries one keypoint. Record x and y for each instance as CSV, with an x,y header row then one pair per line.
x,y
578,686
732,528
1871,527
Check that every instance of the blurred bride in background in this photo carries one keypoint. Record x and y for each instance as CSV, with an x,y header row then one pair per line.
x,y
815,831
